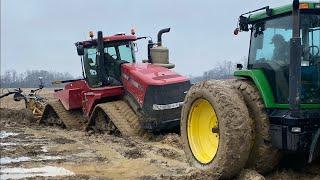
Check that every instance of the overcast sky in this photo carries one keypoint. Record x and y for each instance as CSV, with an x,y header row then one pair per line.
x,y
40,34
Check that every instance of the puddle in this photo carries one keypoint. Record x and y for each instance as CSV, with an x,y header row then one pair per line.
x,y
44,149
4,134
8,144
40,158
46,171
8,160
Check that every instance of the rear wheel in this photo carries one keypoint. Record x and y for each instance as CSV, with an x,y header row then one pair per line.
x,y
215,128
263,157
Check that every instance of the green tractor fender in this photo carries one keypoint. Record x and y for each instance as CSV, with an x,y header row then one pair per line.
x,y
259,79
261,82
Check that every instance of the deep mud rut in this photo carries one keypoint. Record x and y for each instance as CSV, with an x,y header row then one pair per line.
x,y
29,150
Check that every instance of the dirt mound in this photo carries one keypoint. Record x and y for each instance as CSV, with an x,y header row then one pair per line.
x,y
24,116
63,141
248,174
169,153
196,175
173,140
134,153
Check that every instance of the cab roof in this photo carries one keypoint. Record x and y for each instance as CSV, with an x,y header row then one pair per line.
x,y
113,38
283,10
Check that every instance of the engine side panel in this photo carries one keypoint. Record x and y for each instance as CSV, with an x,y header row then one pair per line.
x,y
157,92
138,77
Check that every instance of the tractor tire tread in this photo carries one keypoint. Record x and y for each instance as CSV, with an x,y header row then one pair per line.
x,y
234,124
263,157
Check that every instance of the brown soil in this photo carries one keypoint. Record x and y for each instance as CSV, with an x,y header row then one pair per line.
x,y
101,156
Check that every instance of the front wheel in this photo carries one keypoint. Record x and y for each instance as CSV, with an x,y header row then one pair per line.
x,y
216,129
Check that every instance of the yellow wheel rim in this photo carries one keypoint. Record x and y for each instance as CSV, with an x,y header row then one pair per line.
x,y
203,131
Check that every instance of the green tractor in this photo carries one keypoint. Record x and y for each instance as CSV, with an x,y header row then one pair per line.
x,y
271,108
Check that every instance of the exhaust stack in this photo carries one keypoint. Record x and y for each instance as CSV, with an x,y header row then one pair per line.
x,y
166,30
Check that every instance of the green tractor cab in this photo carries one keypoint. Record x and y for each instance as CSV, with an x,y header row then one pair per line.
x,y
271,108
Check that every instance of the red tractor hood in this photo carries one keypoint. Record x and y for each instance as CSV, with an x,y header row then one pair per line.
x,y
151,74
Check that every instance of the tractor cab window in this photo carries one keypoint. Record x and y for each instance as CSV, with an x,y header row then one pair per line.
x,y
126,52
310,62
115,54
270,52
90,67
122,51
270,41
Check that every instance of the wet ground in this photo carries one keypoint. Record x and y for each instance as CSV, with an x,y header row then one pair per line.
x,y
28,150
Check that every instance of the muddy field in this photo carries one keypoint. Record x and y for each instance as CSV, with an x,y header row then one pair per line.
x,y
29,150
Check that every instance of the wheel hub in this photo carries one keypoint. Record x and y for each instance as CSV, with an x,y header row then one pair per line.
x,y
203,131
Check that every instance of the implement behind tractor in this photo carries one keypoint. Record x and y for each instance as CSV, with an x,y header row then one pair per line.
x,y
272,108
117,94
32,100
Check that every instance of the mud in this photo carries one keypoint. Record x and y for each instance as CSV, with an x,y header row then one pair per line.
x,y
28,146
33,151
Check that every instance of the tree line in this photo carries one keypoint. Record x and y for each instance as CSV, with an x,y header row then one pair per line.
x,y
30,78
222,70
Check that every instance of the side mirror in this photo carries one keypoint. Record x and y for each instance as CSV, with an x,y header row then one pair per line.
x,y
239,66
80,49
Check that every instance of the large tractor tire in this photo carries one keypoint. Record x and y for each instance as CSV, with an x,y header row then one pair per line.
x,y
263,157
55,114
115,118
215,128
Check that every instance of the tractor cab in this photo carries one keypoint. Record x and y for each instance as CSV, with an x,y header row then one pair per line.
x,y
285,46
102,60
270,51
103,57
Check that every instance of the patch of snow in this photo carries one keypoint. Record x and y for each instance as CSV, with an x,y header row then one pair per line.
x,y
4,134
46,171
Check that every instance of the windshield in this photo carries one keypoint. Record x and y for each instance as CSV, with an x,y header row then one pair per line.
x,y
120,51
270,50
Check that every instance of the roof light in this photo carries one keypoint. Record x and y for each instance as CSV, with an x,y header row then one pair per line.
x,y
91,34
304,6
133,31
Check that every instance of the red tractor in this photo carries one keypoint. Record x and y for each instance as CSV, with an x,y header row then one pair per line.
x,y
117,94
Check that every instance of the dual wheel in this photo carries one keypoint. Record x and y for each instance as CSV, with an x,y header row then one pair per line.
x,y
220,134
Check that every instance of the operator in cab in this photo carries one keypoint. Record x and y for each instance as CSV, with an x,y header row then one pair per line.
x,y
281,49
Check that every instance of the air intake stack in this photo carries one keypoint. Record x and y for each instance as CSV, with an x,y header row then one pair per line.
x,y
160,54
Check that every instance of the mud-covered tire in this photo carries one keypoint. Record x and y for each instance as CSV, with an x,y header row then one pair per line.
x,y
234,127
263,157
